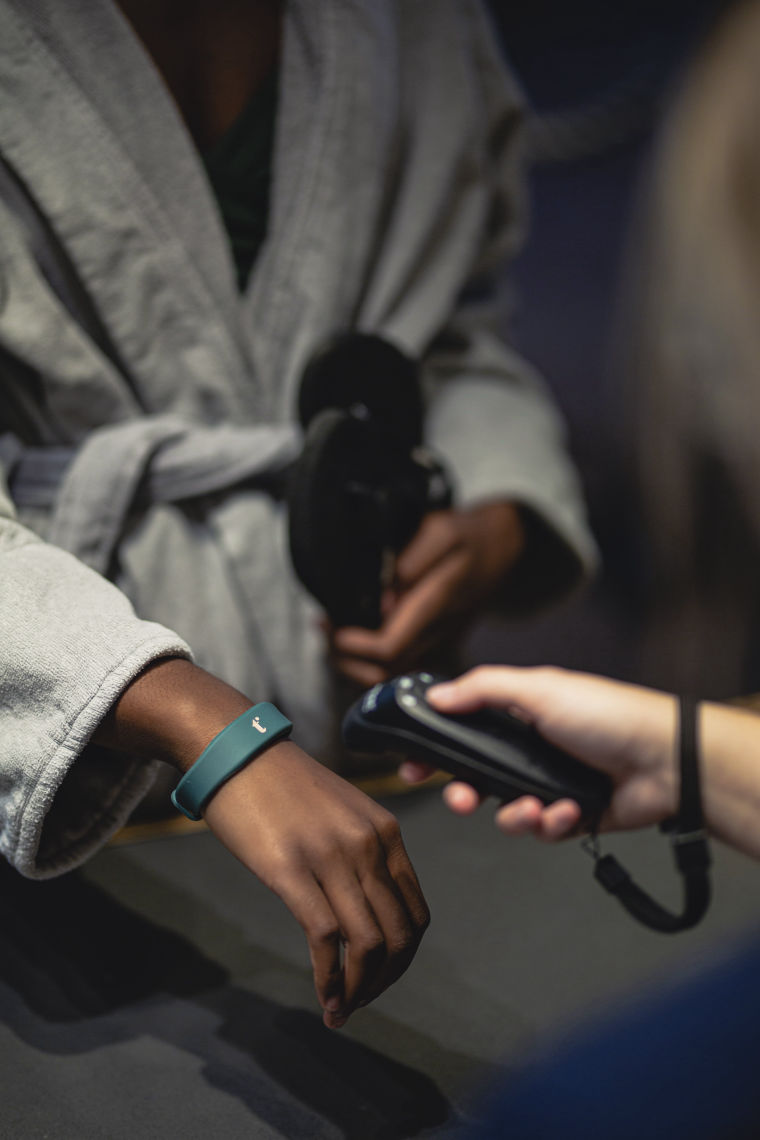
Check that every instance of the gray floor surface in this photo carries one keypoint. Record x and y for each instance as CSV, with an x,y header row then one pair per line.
x,y
164,992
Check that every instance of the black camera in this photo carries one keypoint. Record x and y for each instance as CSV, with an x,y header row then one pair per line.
x,y
363,481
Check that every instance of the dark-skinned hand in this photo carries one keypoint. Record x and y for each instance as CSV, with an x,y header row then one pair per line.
x,y
457,562
333,855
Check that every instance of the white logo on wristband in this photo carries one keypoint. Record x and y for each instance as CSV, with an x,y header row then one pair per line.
x,y
255,724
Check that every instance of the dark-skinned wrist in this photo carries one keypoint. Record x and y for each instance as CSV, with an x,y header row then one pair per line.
x,y
502,522
171,712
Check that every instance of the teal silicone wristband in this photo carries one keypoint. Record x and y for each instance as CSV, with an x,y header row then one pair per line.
x,y
230,750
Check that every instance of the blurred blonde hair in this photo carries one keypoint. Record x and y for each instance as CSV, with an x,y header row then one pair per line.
x,y
696,361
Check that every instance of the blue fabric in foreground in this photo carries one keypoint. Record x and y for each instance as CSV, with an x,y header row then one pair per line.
x,y
681,1064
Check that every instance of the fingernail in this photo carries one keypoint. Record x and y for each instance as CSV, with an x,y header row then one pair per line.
x,y
443,689
333,1004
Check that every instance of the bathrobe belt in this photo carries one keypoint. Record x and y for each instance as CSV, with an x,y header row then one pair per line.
x,y
91,489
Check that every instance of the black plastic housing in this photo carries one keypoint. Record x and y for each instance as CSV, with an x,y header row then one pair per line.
x,y
498,754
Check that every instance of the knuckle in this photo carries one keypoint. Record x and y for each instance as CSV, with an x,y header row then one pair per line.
x,y
419,912
480,674
323,931
421,918
388,828
363,841
368,946
431,524
282,872
443,521
385,651
401,941
399,947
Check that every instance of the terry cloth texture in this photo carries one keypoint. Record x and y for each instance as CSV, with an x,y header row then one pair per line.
x,y
395,200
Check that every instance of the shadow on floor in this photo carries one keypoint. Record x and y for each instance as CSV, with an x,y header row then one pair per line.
x,y
83,972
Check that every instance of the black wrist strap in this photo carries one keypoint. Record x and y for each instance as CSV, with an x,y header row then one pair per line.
x,y
690,847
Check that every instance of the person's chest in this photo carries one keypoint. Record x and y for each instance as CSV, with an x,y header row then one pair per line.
x,y
213,58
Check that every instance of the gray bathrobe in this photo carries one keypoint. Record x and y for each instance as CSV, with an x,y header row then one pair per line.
x,y
393,205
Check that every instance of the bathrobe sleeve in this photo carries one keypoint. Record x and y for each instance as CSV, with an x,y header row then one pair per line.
x,y
491,415
60,672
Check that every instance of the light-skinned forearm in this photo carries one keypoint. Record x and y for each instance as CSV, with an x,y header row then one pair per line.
x,y
730,748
